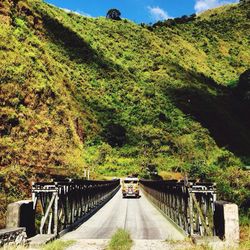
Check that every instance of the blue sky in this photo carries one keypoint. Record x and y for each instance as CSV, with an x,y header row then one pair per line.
x,y
140,10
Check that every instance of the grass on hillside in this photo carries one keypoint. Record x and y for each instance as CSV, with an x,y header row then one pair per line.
x,y
90,92
245,245
245,231
121,240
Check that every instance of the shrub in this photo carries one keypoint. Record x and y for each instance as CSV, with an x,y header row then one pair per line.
x,y
121,240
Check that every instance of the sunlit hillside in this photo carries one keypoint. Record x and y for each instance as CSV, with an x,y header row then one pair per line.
x,y
122,98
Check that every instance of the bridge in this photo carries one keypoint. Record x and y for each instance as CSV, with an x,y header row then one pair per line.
x,y
80,209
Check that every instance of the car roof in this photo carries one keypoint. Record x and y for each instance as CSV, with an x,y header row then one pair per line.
x,y
131,179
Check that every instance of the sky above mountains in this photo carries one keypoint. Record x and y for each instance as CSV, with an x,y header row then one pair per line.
x,y
147,11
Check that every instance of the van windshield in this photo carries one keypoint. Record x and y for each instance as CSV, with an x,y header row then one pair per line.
x,y
130,182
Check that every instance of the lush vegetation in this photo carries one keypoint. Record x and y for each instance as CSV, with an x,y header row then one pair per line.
x,y
122,98
121,240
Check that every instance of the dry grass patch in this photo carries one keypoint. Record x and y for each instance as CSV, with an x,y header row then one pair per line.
x,y
58,245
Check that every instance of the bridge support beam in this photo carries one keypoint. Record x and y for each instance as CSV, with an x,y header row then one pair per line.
x,y
190,205
62,204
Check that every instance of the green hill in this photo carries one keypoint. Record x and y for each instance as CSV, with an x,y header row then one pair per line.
x,y
122,98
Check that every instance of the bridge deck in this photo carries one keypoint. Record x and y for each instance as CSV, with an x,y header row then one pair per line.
x,y
138,216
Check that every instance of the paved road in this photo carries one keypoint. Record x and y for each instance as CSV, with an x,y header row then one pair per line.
x,y
138,216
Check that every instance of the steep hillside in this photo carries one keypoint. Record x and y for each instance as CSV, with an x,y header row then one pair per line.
x,y
114,96
214,45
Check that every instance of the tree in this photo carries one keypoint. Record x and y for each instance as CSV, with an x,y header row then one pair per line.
x,y
244,1
114,14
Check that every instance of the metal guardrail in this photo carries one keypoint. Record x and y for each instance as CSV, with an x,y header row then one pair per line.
x,y
190,205
63,203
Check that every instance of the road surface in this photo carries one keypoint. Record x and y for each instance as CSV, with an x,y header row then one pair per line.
x,y
138,216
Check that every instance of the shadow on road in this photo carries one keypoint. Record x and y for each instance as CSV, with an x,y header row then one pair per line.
x,y
132,197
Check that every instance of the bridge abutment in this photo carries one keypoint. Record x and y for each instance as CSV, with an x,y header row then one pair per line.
x,y
21,214
226,221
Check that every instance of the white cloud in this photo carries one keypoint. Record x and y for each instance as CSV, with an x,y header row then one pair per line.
x,y
157,13
66,10
202,5
78,12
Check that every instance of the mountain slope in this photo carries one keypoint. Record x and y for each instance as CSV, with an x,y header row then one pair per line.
x,y
115,96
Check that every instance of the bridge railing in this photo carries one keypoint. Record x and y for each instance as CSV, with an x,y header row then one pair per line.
x,y
61,205
189,205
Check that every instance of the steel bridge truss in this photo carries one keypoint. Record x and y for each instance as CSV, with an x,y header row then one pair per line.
x,y
190,205
61,205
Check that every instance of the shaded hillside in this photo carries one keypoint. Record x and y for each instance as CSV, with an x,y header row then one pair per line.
x,y
219,36
225,115
112,95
